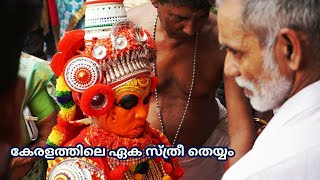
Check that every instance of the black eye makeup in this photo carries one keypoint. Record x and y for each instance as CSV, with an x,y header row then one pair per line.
x,y
128,101
147,99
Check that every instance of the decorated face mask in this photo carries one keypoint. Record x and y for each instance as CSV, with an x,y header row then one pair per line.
x,y
127,118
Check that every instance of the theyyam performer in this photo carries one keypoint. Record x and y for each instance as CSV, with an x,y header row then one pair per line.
x,y
103,90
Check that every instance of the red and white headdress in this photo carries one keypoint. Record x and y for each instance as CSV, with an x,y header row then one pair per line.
x,y
110,50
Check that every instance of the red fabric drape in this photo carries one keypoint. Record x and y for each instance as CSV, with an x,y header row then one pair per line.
x,y
53,12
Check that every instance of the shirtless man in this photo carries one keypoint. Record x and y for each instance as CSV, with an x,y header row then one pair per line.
x,y
188,53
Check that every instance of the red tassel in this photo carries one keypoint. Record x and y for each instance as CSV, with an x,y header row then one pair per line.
x,y
88,96
70,43
72,40
167,168
57,63
118,173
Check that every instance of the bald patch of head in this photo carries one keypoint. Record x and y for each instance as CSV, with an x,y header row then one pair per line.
x,y
232,10
230,20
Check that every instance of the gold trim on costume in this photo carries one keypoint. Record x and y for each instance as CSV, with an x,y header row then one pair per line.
x,y
140,85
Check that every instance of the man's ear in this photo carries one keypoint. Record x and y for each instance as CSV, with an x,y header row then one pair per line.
x,y
155,3
290,48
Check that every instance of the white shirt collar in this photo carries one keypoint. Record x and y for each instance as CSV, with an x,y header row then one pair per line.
x,y
273,146
304,99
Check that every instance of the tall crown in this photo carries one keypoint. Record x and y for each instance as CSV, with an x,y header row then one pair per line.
x,y
116,49
101,15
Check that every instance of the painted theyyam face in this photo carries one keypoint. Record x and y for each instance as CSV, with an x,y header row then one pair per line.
x,y
254,68
127,118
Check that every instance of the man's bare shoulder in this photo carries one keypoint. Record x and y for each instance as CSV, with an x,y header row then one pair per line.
x,y
211,26
143,15
209,40
209,34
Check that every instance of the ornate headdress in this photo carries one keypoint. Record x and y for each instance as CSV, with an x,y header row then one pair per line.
x,y
91,62
111,56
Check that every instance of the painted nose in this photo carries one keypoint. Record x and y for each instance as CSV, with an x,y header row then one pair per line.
x,y
141,113
231,68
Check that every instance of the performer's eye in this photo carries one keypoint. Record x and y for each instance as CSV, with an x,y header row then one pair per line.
x,y
147,99
128,101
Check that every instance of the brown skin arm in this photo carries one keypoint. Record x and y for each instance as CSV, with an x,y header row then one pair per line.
x,y
21,166
241,127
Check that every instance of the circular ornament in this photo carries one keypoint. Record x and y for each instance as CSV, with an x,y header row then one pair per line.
x,y
120,42
74,169
67,172
80,73
140,38
97,100
99,52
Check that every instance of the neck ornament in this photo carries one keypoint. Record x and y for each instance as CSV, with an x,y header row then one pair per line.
x,y
191,86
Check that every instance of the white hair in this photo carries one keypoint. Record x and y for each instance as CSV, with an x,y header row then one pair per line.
x,y
218,3
267,17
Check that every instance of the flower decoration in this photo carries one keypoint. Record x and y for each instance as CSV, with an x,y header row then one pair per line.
x,y
97,100
69,45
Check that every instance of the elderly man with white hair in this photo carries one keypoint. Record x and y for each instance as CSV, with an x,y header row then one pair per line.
x,y
273,54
